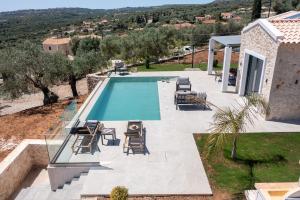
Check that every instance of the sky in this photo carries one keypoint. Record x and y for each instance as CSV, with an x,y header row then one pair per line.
x,y
10,5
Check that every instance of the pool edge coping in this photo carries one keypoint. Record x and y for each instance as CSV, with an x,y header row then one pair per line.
x,y
83,109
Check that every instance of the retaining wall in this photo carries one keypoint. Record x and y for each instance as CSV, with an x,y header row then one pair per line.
x,y
15,167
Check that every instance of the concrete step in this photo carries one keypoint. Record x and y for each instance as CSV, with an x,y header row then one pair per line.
x,y
22,194
70,191
34,193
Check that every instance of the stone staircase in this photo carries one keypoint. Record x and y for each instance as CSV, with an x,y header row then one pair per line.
x,y
70,191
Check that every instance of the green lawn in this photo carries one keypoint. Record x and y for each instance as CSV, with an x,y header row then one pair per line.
x,y
219,67
178,67
164,67
274,158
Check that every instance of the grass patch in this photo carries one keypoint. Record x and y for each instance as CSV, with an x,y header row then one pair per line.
x,y
203,66
164,67
178,67
274,158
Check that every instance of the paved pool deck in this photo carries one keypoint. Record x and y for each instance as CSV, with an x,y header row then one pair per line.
x,y
172,165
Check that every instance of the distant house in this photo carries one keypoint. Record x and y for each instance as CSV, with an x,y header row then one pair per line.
x,y
237,19
104,22
57,45
203,18
149,21
227,15
184,25
87,24
208,17
270,63
209,21
200,19
89,36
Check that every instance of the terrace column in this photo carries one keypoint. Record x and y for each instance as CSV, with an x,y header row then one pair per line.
x,y
226,67
210,63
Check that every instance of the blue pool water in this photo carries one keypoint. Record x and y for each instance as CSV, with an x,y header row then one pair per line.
x,y
128,98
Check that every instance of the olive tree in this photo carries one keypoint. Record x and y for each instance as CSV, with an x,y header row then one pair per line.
x,y
82,65
129,51
110,47
153,44
27,69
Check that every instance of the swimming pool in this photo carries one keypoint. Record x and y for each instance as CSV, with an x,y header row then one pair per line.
x,y
128,98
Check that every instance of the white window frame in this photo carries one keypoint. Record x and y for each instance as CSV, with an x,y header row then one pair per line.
x,y
247,54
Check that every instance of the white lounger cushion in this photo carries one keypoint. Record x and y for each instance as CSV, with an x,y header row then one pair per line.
x,y
183,81
184,87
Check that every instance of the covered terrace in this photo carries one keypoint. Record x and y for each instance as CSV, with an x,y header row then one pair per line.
x,y
231,41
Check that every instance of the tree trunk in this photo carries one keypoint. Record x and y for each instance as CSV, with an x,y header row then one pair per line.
x,y
234,149
72,83
256,10
49,97
4,76
147,63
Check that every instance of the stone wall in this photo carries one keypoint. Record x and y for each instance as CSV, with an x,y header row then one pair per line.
x,y
93,80
62,48
285,92
15,167
259,41
282,73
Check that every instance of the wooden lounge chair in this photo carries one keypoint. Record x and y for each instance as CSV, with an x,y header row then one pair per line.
x,y
85,136
134,138
183,84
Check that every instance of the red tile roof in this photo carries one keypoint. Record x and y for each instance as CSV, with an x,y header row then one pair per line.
x,y
290,28
56,41
289,25
209,21
284,28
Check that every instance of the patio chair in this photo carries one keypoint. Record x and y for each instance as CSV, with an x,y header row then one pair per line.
x,y
107,132
122,69
85,136
184,98
134,138
183,84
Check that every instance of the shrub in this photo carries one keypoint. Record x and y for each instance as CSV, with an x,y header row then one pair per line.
x,y
119,193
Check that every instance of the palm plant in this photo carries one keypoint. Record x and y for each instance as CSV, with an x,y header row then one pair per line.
x,y
234,121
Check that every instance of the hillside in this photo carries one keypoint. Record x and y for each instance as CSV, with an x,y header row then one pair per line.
x,y
34,25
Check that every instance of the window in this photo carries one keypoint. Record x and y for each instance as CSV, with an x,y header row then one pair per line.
x,y
49,48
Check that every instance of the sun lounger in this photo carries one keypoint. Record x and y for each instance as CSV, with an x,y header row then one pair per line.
x,y
183,84
134,137
85,136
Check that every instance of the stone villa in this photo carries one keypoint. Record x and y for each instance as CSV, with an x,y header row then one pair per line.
x,y
57,45
270,63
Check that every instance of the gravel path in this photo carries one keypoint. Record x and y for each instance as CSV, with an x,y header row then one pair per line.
x,y
34,100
